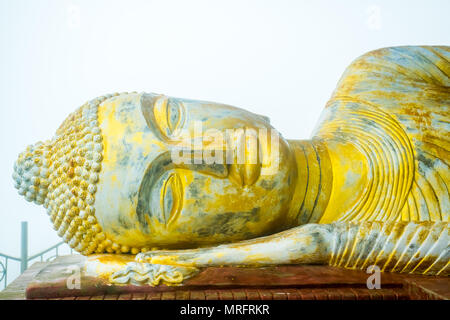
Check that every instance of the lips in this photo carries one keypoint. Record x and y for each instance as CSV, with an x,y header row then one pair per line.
x,y
244,174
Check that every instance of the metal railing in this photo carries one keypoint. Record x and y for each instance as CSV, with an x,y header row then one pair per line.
x,y
24,258
4,268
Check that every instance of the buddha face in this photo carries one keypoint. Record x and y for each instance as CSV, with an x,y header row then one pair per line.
x,y
179,173
160,186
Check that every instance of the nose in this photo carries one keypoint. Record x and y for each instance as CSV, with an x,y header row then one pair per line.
x,y
238,156
244,157
196,160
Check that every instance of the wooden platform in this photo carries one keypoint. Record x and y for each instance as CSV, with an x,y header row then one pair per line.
x,y
48,280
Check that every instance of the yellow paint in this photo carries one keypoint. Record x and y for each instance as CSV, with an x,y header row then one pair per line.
x,y
381,153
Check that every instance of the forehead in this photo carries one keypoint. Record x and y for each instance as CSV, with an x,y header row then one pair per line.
x,y
129,147
123,125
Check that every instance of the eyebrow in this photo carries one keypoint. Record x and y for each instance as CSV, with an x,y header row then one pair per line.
x,y
147,105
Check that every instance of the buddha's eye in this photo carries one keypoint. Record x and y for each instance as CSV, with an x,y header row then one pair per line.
x,y
164,199
169,116
173,116
171,198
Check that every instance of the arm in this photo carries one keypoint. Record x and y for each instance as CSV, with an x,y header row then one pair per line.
x,y
393,246
310,243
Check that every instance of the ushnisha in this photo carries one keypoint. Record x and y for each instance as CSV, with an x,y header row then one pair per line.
x,y
62,175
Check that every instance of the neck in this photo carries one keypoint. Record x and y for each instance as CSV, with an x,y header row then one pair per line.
x,y
314,181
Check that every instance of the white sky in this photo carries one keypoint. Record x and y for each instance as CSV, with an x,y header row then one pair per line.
x,y
277,58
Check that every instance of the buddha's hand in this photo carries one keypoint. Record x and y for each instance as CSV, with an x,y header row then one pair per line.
x,y
305,244
185,258
152,274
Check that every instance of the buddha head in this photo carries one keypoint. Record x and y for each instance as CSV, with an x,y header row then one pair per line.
x,y
129,172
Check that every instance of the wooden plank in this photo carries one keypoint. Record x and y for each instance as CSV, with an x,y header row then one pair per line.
x,y
306,294
292,294
225,295
239,294
436,288
127,296
182,295
211,295
16,289
169,295
252,294
139,296
197,295
279,294
153,296
265,294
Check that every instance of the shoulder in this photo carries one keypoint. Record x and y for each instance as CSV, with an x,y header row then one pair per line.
x,y
425,64
393,104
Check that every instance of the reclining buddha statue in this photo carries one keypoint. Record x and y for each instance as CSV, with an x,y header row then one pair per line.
x,y
172,185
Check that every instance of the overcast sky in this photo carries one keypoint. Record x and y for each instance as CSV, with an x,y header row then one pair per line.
x,y
277,58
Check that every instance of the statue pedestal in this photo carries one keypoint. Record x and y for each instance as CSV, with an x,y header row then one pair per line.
x,y
57,280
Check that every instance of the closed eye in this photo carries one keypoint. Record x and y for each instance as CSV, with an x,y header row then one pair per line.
x,y
164,115
160,194
171,198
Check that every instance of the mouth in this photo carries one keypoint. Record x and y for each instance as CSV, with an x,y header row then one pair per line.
x,y
244,174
